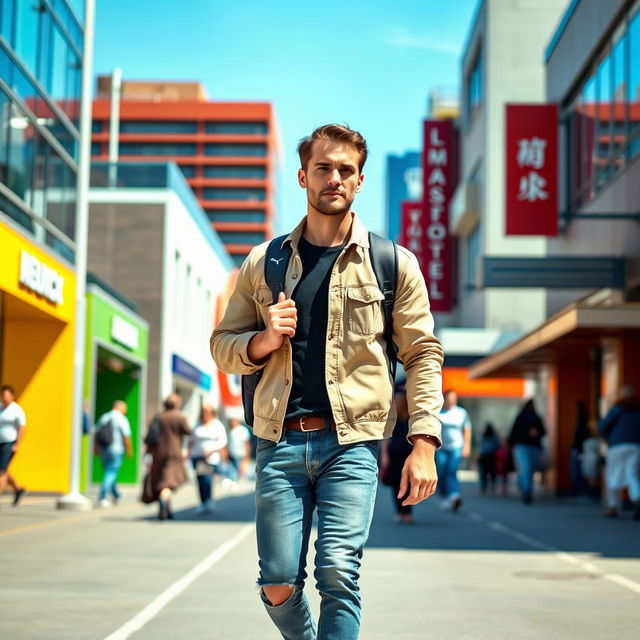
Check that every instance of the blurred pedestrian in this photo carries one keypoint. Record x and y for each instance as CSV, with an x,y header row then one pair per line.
x,y
489,445
13,423
394,453
456,444
504,464
164,441
579,485
208,439
621,429
526,442
111,440
239,449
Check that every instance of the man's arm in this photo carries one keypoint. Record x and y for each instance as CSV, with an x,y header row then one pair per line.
x,y
466,432
421,355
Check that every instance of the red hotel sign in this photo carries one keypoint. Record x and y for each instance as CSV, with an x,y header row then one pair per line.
x,y
439,175
531,170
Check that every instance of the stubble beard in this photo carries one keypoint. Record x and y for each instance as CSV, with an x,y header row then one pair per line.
x,y
328,210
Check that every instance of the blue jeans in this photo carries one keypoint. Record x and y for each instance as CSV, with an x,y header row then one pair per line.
x,y
527,461
303,472
447,463
205,481
111,463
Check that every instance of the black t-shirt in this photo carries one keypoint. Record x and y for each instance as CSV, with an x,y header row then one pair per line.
x,y
308,347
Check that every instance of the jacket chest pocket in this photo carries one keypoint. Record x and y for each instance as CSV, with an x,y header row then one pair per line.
x,y
363,310
263,299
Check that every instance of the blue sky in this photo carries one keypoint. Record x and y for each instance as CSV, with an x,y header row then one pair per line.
x,y
370,64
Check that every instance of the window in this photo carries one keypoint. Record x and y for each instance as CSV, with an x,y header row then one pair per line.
x,y
239,150
96,148
237,127
603,119
27,17
475,87
146,126
241,237
96,126
236,215
224,193
188,170
157,149
238,258
236,171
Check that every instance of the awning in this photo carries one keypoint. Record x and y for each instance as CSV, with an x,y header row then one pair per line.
x,y
580,325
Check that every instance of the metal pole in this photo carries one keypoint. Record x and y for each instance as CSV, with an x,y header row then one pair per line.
x,y
74,499
114,125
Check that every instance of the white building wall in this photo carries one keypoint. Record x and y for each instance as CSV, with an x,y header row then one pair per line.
x,y
188,308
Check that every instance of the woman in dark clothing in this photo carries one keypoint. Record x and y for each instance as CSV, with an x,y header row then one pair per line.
x,y
489,445
393,455
165,444
579,486
526,441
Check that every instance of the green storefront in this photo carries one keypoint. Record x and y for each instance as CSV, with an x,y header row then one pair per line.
x,y
115,369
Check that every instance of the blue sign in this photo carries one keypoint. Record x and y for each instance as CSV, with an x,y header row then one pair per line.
x,y
186,370
404,182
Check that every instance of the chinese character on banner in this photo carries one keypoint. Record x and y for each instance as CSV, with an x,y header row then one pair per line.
x,y
531,170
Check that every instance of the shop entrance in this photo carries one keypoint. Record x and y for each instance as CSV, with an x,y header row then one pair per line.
x,y
118,379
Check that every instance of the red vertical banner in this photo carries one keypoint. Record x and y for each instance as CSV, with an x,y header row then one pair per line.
x,y
531,158
413,231
439,173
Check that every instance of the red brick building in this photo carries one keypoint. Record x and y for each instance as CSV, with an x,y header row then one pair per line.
x,y
227,151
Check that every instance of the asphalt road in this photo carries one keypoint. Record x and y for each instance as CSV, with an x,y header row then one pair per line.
x,y
495,570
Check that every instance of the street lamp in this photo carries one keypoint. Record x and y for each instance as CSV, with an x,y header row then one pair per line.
x,y
74,499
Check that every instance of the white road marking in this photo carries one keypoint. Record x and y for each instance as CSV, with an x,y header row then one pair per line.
x,y
153,608
588,567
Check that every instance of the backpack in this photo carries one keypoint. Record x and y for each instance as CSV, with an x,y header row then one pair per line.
x,y
104,435
384,260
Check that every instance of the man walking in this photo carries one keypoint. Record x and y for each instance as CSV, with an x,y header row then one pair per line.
x,y
112,439
456,444
12,426
325,398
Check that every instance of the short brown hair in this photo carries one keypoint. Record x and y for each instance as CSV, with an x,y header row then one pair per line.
x,y
336,133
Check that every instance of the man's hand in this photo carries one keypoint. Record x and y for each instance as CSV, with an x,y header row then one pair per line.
x,y
283,320
419,472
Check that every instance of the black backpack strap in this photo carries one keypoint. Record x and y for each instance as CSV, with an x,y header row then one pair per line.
x,y
276,261
384,260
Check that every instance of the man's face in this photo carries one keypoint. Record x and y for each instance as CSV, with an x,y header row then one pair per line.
x,y
7,397
332,177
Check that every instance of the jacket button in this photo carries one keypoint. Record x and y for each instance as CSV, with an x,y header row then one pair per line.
x,y
286,381
295,276
330,381
343,434
331,337
275,431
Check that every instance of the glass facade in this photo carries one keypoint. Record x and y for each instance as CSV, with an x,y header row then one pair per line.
x,y
237,127
233,193
603,118
258,172
236,215
241,237
188,170
40,82
157,149
239,150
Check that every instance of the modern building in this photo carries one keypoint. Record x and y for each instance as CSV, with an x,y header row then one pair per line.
x,y
151,241
227,151
115,369
41,54
403,184
587,344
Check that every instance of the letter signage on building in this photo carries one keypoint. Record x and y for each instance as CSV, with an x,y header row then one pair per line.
x,y
412,231
40,278
439,174
531,170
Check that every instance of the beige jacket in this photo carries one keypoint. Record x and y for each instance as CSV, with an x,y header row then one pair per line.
x,y
359,383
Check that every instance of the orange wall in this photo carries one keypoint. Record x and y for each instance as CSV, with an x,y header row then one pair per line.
x,y
457,378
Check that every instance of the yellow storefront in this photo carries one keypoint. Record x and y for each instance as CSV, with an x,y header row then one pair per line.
x,y
37,309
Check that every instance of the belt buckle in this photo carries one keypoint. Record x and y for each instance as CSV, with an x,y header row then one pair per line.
x,y
301,422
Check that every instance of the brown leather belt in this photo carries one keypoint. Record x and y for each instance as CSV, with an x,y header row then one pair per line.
x,y
310,423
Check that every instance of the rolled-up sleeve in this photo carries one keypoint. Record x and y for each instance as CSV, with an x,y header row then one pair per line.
x,y
230,339
418,348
